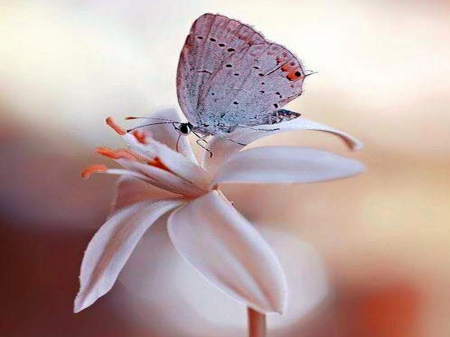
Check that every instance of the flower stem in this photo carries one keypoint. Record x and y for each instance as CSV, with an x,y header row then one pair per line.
x,y
256,323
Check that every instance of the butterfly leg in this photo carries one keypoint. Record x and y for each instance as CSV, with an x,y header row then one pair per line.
x,y
178,141
236,142
198,141
231,140
202,139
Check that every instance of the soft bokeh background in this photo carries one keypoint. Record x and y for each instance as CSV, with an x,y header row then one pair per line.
x,y
383,75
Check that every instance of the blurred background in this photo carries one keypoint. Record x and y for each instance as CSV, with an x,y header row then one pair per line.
x,y
381,239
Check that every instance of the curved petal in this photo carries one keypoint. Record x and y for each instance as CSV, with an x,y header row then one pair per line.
x,y
163,178
222,148
286,165
166,133
179,165
111,247
131,190
223,246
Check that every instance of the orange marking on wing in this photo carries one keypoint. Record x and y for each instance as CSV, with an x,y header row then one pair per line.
x,y
90,170
294,75
116,127
286,67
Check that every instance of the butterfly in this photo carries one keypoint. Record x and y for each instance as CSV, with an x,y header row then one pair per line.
x,y
229,76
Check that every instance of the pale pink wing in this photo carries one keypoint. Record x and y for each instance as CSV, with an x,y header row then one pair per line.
x,y
212,39
252,85
229,73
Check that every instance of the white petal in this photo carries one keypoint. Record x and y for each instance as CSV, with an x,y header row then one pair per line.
x,y
179,165
131,190
166,134
182,289
111,247
163,179
223,246
155,177
223,148
280,164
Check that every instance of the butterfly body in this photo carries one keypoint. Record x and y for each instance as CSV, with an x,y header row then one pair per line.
x,y
230,76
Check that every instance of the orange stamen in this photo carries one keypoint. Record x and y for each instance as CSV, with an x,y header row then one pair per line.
x,y
116,127
140,137
116,154
90,170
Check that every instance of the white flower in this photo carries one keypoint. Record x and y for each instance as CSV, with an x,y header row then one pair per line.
x,y
203,226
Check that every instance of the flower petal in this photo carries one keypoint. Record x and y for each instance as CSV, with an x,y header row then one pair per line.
x,y
131,190
222,148
223,246
162,178
111,247
145,146
179,165
281,164
166,134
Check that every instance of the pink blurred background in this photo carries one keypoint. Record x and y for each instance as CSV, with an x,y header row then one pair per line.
x,y
383,237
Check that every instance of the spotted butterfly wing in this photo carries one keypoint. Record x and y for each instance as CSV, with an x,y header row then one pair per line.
x,y
230,76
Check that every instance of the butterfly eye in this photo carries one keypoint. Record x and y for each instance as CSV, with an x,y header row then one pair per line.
x,y
185,128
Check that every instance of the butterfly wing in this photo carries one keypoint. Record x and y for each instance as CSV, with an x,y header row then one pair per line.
x,y
230,75
207,45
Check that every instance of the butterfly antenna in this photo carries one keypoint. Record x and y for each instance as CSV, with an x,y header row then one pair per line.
x,y
151,124
311,72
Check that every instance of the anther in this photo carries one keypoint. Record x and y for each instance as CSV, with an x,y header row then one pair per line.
x,y
116,154
140,136
116,127
90,170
